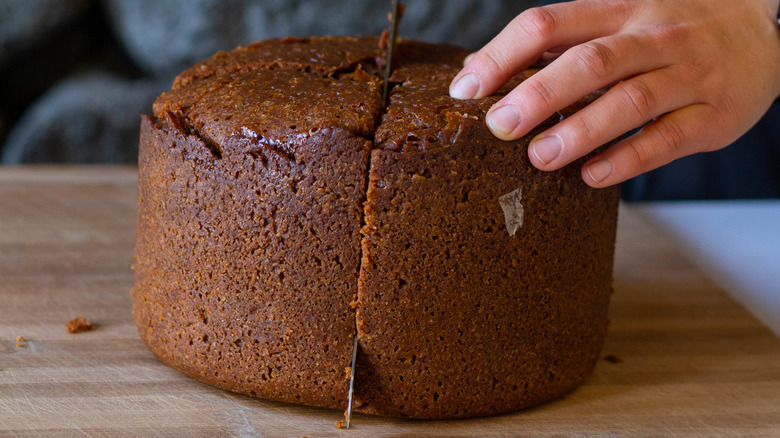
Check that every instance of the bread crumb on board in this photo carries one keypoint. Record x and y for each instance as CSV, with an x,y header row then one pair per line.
x,y
343,424
19,340
78,324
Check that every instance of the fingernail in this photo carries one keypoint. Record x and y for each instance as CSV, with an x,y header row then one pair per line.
x,y
599,170
502,121
546,149
465,87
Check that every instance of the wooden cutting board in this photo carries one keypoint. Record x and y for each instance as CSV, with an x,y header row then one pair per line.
x,y
690,361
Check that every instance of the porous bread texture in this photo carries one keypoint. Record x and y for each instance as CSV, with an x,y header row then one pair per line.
x,y
282,213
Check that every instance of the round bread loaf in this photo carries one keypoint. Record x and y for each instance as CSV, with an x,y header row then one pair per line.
x,y
283,211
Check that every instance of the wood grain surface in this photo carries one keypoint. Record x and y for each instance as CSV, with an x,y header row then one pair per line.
x,y
691,361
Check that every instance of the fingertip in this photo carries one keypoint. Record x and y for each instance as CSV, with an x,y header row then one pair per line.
x,y
597,172
544,149
464,86
503,121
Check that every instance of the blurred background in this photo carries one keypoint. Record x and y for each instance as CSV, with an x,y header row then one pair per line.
x,y
76,74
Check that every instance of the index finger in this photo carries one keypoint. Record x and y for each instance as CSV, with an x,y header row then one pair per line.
x,y
529,35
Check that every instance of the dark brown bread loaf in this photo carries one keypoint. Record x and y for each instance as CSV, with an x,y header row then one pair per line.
x,y
281,214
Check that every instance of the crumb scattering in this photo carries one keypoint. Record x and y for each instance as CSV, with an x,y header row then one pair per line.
x,y
78,324
345,423
20,339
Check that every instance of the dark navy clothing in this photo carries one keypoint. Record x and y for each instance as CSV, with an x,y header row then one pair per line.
x,y
748,168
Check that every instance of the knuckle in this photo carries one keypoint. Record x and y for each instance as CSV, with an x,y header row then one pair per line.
x,y
641,156
496,61
595,58
538,22
671,136
664,139
671,35
639,98
725,106
583,129
724,120
540,92
697,69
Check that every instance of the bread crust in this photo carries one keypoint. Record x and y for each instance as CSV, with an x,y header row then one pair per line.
x,y
282,212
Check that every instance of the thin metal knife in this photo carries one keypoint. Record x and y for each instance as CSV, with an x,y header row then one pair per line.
x,y
348,414
392,36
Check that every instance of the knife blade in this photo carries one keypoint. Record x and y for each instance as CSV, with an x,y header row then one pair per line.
x,y
392,36
348,414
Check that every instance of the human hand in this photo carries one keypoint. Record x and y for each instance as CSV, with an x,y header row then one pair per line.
x,y
696,73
